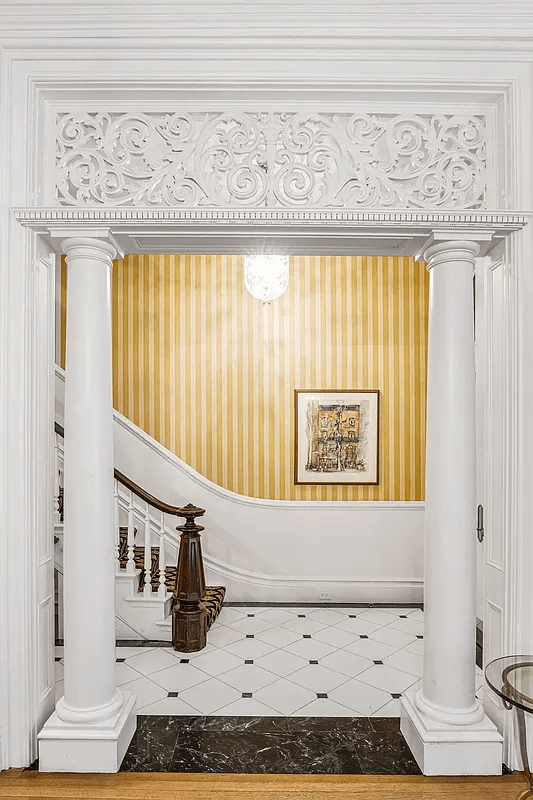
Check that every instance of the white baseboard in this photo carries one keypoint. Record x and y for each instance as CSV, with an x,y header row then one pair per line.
x,y
251,587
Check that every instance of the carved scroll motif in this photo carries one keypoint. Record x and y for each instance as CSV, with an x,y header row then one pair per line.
x,y
283,160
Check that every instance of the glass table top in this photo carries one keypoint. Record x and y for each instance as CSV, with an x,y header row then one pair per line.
x,y
511,677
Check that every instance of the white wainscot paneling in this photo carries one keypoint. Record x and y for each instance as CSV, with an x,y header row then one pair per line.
x,y
272,550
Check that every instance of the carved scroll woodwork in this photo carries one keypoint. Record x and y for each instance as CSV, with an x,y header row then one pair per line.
x,y
283,160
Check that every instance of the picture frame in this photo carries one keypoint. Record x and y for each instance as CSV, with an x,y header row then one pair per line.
x,y
336,436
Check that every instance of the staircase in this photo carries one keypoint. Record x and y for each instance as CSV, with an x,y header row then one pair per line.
x,y
180,608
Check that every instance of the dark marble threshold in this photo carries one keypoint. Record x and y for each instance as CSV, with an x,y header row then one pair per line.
x,y
270,745
275,745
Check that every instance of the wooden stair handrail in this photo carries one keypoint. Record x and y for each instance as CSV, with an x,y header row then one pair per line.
x,y
146,496
129,484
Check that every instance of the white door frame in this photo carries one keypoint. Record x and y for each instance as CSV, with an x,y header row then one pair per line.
x,y
36,82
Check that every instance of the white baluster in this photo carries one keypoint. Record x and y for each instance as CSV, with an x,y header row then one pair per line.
x,y
162,590
147,591
130,564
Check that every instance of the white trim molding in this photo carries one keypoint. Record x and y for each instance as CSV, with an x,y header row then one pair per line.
x,y
318,29
42,219
295,231
257,587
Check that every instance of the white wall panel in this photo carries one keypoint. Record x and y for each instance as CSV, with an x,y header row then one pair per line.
x,y
46,648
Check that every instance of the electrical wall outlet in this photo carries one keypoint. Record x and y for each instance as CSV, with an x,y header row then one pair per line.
x,y
324,595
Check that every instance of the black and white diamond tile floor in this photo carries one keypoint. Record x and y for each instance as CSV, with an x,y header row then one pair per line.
x,y
272,661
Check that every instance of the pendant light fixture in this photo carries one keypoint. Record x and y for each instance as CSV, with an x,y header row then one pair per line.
x,y
266,276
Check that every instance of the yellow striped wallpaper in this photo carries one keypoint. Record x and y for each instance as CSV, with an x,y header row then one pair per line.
x,y
210,372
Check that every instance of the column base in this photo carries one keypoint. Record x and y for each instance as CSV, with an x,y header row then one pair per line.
x,y
101,747
441,749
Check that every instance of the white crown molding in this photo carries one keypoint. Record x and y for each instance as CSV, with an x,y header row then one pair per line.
x,y
261,21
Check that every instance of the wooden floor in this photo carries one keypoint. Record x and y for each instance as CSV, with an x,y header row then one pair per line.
x,y
171,786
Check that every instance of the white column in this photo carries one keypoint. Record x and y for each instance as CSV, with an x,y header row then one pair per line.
x,y
448,691
94,720
443,722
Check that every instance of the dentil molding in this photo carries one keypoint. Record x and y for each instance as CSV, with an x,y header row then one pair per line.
x,y
40,218
273,160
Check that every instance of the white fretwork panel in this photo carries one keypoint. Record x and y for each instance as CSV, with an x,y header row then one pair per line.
x,y
286,160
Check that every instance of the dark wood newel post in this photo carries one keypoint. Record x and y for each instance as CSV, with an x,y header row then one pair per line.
x,y
189,615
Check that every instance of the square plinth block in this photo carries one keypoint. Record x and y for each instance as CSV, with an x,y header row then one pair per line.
x,y
99,747
441,749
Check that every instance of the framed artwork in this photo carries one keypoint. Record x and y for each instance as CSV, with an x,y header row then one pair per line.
x,y
336,436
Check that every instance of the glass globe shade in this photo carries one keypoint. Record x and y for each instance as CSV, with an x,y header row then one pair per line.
x,y
266,276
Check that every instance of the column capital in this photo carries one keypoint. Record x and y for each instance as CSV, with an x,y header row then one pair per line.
x,y
444,242
94,249
445,252
100,239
